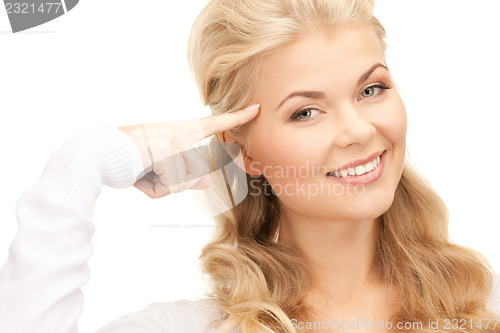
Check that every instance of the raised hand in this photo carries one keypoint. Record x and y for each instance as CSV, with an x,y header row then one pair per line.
x,y
171,164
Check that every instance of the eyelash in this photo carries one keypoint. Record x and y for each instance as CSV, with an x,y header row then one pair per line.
x,y
384,88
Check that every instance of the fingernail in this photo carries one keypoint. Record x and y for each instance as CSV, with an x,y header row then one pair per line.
x,y
252,107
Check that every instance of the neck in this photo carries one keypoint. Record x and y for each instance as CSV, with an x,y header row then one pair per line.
x,y
340,254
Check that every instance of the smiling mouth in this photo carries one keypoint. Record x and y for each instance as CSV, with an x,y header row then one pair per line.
x,y
357,170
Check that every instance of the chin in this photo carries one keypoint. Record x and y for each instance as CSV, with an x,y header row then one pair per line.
x,y
368,207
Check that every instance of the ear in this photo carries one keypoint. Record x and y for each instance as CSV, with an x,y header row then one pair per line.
x,y
239,154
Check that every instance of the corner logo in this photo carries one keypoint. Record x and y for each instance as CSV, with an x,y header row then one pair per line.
x,y
26,14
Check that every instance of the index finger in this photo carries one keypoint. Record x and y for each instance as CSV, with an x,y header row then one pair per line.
x,y
205,127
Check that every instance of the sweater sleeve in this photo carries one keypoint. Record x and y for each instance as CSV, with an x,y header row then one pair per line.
x,y
200,316
40,284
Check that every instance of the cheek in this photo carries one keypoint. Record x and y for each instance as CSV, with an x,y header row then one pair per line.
x,y
393,127
285,149
393,123
285,152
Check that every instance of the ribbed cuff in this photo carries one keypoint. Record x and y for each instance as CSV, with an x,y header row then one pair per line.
x,y
77,170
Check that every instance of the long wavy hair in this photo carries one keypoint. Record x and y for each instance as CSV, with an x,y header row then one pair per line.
x,y
260,283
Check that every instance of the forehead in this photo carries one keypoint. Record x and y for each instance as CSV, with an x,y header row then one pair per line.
x,y
339,56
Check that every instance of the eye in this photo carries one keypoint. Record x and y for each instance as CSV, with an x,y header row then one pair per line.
x,y
304,114
371,90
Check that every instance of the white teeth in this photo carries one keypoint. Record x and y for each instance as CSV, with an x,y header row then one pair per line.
x,y
359,170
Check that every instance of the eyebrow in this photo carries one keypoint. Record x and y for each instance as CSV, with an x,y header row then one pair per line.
x,y
322,95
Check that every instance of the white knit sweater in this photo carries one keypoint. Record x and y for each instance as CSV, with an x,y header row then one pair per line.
x,y
40,284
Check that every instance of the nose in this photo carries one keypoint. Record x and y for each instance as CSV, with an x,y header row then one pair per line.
x,y
351,126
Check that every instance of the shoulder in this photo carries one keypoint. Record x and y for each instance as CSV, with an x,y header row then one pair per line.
x,y
493,303
185,312
196,316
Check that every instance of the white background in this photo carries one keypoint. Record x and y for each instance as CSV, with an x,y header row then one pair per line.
x,y
124,62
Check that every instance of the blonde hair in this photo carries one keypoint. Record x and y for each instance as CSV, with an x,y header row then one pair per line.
x,y
259,283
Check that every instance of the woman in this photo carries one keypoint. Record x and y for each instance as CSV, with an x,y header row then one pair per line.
x,y
348,231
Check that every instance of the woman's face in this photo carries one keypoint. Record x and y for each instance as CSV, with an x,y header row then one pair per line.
x,y
322,107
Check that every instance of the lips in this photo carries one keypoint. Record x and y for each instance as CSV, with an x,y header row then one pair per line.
x,y
356,165
361,177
